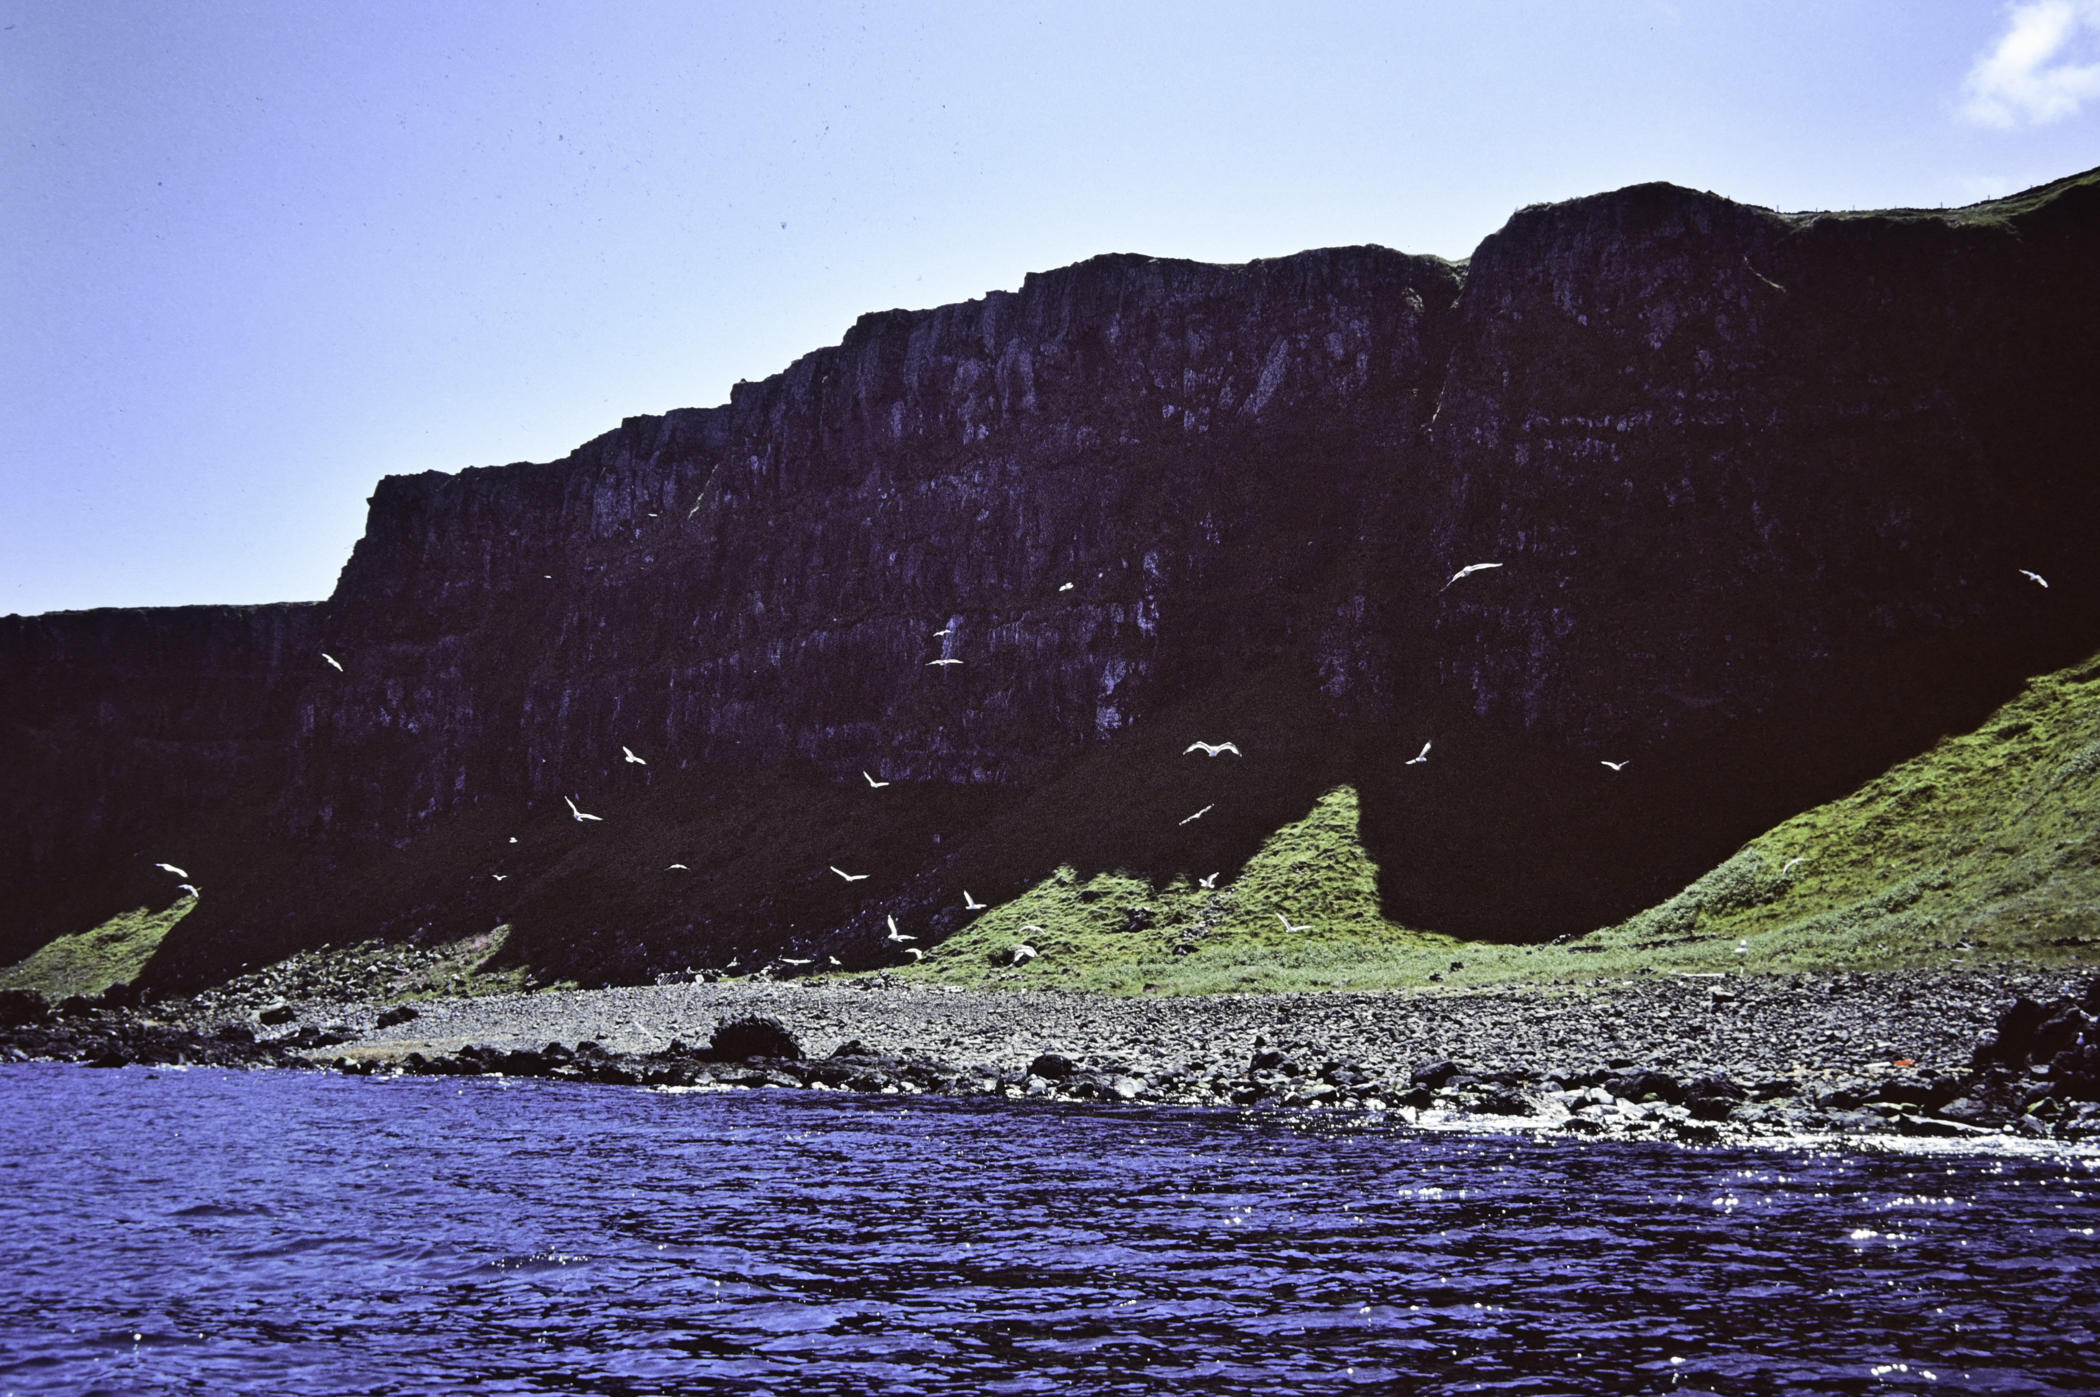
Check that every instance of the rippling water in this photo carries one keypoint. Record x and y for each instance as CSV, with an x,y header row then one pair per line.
x,y
277,1232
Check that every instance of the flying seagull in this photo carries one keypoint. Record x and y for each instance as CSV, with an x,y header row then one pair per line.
x,y
1790,865
1066,588
1211,749
1287,923
1201,813
1421,756
833,959
873,784
339,664
2034,577
580,816
678,865
896,935
972,904
931,663
790,960
514,839
1031,926
1210,882
499,877
849,877
945,630
1470,568
190,888
915,953
629,753
1022,954
179,873
1616,766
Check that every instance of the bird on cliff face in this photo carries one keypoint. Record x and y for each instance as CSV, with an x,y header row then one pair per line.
x,y
1419,757
628,752
332,660
873,784
849,877
1211,749
1617,766
580,816
1467,570
179,873
2035,578
1021,954
971,904
1201,813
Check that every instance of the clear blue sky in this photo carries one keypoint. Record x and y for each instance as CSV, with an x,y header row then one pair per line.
x,y
257,256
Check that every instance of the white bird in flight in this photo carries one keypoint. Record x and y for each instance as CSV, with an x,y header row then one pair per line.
x,y
514,839
945,630
1201,813
678,865
580,816
190,888
972,904
339,666
1287,923
915,953
499,877
628,752
1211,749
1469,568
2034,577
1066,588
1210,882
790,960
1421,756
1616,766
179,873
1022,954
896,935
931,663
849,877
873,784
1789,868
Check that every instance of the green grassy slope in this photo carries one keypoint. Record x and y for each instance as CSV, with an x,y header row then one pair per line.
x,y
1986,847
89,962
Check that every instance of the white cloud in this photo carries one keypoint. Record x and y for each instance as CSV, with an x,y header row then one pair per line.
x,y
2031,75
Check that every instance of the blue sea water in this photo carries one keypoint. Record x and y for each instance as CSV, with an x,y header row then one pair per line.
x,y
280,1232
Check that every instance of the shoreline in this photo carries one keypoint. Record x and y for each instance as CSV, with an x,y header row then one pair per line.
x,y
1756,1059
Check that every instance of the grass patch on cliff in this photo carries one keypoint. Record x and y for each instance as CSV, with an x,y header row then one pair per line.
x,y
1117,933
1984,849
89,962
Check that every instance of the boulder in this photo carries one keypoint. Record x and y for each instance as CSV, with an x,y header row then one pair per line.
x,y
754,1036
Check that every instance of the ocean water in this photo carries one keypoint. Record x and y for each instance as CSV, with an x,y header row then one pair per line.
x,y
279,1232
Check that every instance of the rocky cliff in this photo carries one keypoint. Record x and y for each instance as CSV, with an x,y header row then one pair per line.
x,y
1758,486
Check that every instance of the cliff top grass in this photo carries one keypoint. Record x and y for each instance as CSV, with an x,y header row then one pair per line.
x,y
1981,850
89,962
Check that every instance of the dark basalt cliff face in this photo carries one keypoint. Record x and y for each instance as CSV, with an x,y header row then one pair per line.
x,y
1759,485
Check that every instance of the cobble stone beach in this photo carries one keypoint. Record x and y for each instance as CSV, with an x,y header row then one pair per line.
x,y
1942,1054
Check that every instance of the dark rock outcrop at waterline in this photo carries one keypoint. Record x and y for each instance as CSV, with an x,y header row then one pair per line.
x,y
1760,486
